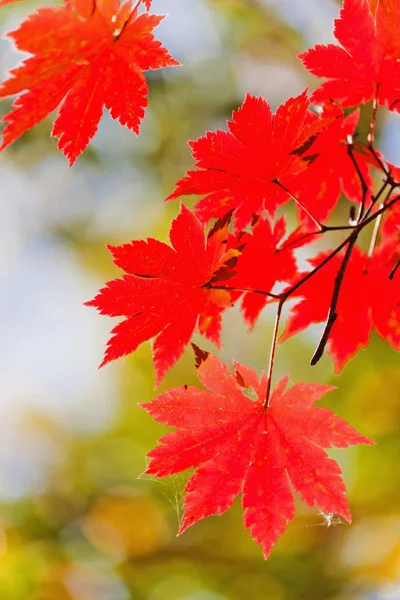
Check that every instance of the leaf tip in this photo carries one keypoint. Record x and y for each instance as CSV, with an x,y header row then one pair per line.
x,y
199,355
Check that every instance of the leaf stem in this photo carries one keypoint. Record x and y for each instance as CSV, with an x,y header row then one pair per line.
x,y
273,352
320,226
245,290
378,160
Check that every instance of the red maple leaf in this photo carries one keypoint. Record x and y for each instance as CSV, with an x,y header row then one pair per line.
x,y
240,446
166,293
86,56
236,169
390,231
331,170
367,65
261,264
384,274
368,298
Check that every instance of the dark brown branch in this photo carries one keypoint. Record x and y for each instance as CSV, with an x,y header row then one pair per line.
x,y
285,295
332,314
393,271
364,187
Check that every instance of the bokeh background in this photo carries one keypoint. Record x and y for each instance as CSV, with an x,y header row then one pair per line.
x,y
75,522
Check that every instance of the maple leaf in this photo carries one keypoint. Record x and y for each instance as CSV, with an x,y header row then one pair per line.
x,y
167,293
240,446
261,264
85,56
368,298
366,66
331,171
384,275
390,232
237,168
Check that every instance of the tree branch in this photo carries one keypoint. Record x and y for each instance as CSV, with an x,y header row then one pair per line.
x,y
332,314
364,187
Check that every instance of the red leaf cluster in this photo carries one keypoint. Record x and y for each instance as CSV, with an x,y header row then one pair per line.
x,y
237,245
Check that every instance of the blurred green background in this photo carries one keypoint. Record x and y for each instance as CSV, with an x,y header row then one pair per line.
x,y
75,522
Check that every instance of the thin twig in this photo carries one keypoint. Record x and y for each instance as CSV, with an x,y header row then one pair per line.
x,y
393,271
378,160
285,295
245,290
377,197
320,226
304,236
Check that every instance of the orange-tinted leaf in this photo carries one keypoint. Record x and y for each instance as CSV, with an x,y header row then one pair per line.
x,y
85,57
367,64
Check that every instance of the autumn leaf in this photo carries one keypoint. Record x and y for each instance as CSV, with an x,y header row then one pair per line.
x,y
368,298
236,169
85,56
263,262
367,65
331,170
167,293
237,445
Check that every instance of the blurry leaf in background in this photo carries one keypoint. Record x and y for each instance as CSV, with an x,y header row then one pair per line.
x,y
124,524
